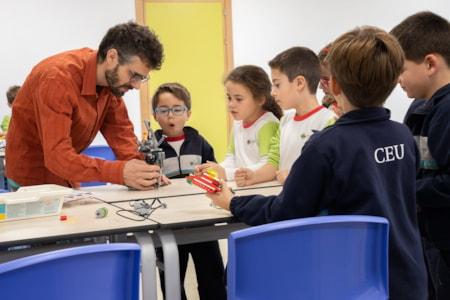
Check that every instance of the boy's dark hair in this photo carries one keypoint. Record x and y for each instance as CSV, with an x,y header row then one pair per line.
x,y
299,61
131,39
258,82
424,33
11,93
366,62
176,89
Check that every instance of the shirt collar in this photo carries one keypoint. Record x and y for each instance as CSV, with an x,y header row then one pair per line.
x,y
365,115
90,75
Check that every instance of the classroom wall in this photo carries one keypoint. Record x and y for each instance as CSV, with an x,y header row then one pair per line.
x,y
263,28
32,30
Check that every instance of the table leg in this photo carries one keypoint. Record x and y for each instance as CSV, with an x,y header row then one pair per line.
x,y
171,264
148,265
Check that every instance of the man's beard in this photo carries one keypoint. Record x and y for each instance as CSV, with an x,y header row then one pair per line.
x,y
112,78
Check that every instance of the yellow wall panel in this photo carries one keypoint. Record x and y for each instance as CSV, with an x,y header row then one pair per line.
x,y
192,35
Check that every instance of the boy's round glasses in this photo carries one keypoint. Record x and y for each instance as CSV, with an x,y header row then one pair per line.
x,y
177,110
135,77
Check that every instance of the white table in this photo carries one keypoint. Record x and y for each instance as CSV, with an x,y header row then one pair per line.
x,y
188,218
82,223
191,219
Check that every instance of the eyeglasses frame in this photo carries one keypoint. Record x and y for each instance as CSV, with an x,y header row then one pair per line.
x,y
170,109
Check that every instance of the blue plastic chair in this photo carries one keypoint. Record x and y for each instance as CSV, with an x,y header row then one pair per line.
x,y
103,271
102,152
327,257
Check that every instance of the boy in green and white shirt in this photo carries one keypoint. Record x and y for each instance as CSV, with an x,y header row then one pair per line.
x,y
295,77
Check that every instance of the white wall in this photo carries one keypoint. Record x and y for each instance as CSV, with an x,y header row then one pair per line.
x,y
263,28
32,30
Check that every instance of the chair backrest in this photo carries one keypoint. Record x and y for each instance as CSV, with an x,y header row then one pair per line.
x,y
326,257
103,271
98,151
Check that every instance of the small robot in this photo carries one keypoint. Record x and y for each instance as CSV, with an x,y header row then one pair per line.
x,y
206,181
154,155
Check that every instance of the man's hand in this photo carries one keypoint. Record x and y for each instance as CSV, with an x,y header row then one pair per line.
x,y
223,198
244,176
140,175
165,180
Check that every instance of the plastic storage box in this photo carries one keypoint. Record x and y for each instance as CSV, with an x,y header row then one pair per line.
x,y
32,201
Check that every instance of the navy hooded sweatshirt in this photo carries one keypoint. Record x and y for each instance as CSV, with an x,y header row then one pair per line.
x,y
364,164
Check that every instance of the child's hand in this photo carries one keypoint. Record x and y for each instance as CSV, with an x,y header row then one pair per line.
x,y
337,110
200,169
211,166
282,175
223,198
244,176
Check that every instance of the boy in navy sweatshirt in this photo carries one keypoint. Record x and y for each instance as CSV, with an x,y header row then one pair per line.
x,y
425,39
364,164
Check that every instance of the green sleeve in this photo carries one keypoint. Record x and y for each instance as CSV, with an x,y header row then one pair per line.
x,y
274,152
231,144
265,135
330,122
5,122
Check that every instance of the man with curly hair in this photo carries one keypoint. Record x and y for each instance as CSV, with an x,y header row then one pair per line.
x,y
68,98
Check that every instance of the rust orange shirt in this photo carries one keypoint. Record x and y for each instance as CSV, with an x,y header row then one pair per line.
x,y
56,115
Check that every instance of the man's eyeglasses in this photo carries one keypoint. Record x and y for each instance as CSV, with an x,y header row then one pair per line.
x,y
135,77
177,110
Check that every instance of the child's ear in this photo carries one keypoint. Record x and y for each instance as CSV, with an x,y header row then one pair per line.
x,y
188,113
432,63
261,100
300,82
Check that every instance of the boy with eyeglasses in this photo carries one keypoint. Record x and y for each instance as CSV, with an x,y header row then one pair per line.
x,y
184,149
69,98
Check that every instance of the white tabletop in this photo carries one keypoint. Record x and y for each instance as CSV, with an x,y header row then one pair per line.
x,y
119,193
178,188
185,204
187,208
81,222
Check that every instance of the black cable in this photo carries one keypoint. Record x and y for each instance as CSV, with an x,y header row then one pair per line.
x,y
140,208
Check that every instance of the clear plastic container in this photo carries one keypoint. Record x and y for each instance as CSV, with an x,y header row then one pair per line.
x,y
32,201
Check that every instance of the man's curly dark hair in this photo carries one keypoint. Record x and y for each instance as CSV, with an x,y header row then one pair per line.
x,y
130,39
